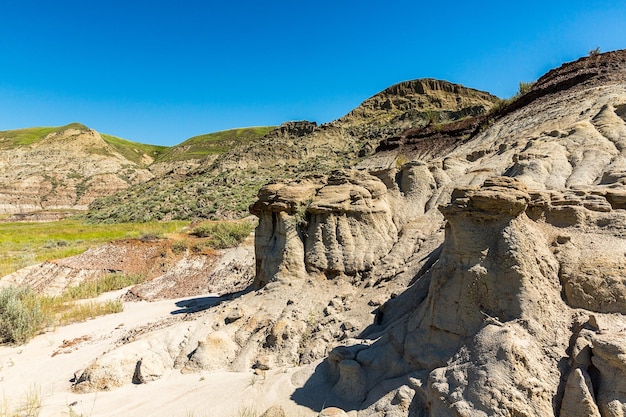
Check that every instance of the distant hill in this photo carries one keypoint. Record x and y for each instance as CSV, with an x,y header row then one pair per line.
x,y
187,156
67,167
216,175
136,152
224,185
188,183
50,172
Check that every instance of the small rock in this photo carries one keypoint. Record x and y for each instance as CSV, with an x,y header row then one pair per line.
x,y
234,315
561,240
341,353
262,363
329,311
337,303
274,411
137,376
332,412
403,397
351,383
347,326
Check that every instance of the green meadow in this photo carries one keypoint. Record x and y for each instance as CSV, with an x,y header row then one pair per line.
x,y
24,244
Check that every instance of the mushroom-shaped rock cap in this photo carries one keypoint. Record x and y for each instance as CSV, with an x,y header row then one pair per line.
x,y
497,196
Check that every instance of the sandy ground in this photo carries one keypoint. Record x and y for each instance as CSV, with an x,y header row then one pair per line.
x,y
47,364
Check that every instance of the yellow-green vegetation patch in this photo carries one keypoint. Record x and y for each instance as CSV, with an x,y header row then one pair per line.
x,y
134,151
109,282
221,235
10,139
217,143
77,312
24,244
21,315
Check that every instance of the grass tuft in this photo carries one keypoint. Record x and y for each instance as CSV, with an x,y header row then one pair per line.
x,y
247,412
24,314
84,311
524,87
29,407
110,282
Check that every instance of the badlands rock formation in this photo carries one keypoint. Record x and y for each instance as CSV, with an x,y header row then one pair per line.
x,y
67,169
402,104
517,311
480,278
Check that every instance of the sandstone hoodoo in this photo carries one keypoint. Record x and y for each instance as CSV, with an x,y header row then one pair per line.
x,y
339,228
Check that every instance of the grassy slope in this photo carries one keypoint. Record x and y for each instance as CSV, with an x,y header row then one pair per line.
x,y
197,196
201,146
194,196
178,198
10,139
134,151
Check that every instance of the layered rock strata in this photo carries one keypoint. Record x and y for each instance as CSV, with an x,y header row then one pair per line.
x,y
67,169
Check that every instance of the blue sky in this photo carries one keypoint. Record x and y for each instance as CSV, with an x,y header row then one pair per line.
x,y
162,71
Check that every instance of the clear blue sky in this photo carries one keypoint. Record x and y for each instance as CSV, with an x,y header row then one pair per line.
x,y
162,71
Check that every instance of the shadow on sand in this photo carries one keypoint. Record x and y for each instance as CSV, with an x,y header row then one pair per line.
x,y
195,305
317,392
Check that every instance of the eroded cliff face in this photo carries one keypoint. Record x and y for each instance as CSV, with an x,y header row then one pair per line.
x,y
426,95
67,169
473,329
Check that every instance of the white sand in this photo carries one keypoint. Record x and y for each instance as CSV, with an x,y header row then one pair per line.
x,y
32,367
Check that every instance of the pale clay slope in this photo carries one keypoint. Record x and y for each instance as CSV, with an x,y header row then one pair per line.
x,y
369,300
169,272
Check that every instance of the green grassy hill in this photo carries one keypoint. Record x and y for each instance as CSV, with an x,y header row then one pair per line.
x,y
199,147
10,139
134,151
200,193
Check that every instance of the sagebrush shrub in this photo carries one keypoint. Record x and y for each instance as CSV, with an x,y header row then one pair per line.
x,y
21,316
